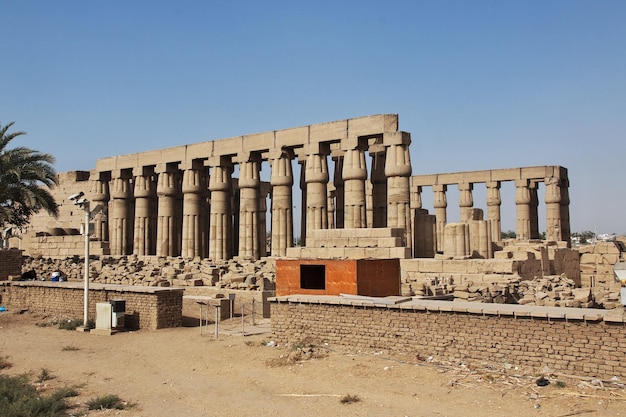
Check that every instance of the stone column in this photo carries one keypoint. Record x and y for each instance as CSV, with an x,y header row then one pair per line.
x,y
249,183
168,224
354,175
221,221
316,177
331,206
398,171
100,198
144,242
121,220
466,200
194,188
522,203
379,189
494,201
281,180
339,190
440,204
553,209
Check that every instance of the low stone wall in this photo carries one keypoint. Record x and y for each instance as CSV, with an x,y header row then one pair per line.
x,y
10,263
588,342
147,308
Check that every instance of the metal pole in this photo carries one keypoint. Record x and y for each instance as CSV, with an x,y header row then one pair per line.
x,y
253,322
217,320
86,231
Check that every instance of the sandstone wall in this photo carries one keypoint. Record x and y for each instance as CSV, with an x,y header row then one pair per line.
x,y
575,341
146,308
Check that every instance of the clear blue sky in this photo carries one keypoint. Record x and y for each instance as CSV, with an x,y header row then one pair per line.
x,y
479,84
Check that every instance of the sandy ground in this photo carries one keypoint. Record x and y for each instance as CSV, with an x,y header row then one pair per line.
x,y
189,372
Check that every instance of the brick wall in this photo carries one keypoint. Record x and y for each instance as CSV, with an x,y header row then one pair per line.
x,y
10,263
592,344
146,307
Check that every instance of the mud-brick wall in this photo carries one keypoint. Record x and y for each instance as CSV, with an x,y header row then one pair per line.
x,y
10,263
146,307
590,348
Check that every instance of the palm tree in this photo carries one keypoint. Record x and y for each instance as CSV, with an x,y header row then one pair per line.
x,y
26,176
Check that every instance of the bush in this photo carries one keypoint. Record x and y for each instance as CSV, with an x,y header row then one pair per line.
x,y
106,402
70,324
19,398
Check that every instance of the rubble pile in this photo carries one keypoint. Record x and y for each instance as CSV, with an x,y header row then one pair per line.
x,y
234,273
549,291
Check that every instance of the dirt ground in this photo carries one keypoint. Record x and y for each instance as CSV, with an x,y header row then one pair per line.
x,y
188,372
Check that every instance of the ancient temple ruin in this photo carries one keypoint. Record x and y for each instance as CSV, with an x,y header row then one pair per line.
x,y
207,200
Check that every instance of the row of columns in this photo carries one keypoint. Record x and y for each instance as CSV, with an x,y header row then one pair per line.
x,y
526,202
174,209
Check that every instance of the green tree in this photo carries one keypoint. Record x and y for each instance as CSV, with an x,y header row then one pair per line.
x,y
26,177
508,235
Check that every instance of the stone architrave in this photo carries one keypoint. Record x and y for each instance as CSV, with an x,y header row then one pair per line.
x,y
121,222
379,190
398,172
522,204
194,188
440,203
168,192
281,180
221,221
316,177
494,201
144,240
466,200
354,175
249,184
100,197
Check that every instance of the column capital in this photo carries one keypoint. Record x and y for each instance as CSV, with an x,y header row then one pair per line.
x,y
396,138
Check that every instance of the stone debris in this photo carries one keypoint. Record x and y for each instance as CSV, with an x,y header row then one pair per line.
x,y
161,272
549,291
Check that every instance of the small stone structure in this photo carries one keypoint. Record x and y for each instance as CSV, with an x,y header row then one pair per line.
x,y
10,263
147,308
588,342
369,277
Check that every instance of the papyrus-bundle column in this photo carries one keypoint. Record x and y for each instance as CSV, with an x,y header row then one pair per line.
x,y
144,237
354,175
100,198
554,201
440,204
249,183
220,223
316,178
168,223
466,200
494,201
522,204
282,209
194,188
398,171
121,222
